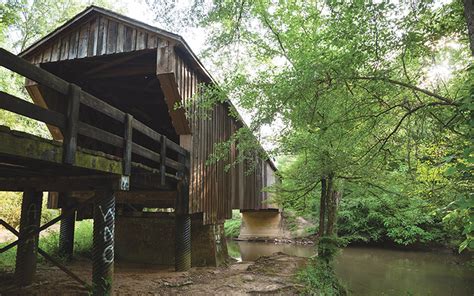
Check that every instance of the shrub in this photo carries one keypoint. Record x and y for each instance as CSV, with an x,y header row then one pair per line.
x,y
232,226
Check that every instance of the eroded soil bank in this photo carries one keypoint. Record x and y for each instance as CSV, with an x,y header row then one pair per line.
x,y
273,275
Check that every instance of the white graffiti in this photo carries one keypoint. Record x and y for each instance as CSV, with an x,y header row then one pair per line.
x,y
108,234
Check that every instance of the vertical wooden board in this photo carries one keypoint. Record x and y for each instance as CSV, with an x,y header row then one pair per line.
x,y
46,55
73,44
83,40
120,38
56,53
152,41
102,36
178,78
93,37
134,39
141,40
112,30
127,45
64,48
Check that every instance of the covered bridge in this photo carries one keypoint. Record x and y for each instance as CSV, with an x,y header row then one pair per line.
x,y
124,94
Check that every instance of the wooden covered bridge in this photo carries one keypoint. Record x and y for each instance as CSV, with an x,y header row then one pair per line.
x,y
129,148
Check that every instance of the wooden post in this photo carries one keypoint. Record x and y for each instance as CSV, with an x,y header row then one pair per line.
x,y
26,252
127,147
163,161
72,119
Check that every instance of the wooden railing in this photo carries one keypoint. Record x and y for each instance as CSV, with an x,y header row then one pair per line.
x,y
71,125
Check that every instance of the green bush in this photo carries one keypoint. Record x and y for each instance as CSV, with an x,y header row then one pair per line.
x,y
318,278
232,226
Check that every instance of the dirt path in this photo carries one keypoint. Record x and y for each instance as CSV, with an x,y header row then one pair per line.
x,y
273,275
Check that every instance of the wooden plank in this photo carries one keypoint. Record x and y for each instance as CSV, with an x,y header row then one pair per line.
x,y
64,48
152,134
101,106
47,55
145,152
93,37
127,150
152,41
129,39
56,53
61,183
24,68
100,135
72,120
102,36
141,40
22,107
112,37
73,44
120,37
83,40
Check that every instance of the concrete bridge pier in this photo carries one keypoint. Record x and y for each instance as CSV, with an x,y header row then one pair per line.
x,y
25,267
263,224
139,235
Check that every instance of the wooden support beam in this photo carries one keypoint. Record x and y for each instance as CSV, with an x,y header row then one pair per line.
x,y
165,68
25,267
72,119
58,183
127,146
40,95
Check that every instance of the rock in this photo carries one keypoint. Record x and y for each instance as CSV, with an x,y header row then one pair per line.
x,y
247,278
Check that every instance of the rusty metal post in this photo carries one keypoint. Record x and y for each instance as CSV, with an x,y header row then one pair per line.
x,y
66,231
26,251
183,219
103,244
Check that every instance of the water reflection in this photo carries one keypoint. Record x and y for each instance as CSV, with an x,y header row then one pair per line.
x,y
374,271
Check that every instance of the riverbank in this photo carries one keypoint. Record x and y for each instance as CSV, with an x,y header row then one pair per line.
x,y
267,275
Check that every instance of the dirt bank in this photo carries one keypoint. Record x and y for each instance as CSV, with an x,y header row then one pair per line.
x,y
272,275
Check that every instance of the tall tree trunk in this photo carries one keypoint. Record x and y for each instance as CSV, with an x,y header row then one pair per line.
x,y
469,14
322,206
331,206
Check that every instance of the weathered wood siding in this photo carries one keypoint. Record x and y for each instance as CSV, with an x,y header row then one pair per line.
x,y
94,36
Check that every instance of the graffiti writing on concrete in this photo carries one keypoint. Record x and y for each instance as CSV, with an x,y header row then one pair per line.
x,y
108,233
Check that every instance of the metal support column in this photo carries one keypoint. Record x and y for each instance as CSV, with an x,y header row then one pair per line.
x,y
183,243
66,231
183,220
26,251
103,244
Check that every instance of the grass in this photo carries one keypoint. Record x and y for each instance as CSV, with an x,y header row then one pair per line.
x,y
49,244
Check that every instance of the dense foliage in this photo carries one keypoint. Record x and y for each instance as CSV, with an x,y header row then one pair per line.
x,y
372,100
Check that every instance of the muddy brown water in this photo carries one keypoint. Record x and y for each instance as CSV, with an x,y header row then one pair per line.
x,y
377,271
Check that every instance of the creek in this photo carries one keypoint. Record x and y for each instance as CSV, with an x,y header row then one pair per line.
x,y
380,271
